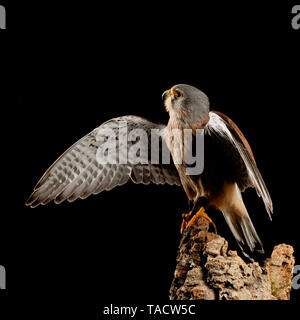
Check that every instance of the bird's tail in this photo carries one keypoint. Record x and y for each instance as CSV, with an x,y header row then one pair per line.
x,y
243,230
240,224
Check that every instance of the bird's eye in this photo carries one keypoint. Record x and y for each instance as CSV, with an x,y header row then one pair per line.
x,y
177,94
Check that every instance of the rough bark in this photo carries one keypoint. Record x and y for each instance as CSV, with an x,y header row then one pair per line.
x,y
207,270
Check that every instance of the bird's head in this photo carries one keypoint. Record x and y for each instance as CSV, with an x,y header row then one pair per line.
x,y
188,104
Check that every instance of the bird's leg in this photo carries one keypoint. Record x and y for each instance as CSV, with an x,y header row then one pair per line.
x,y
198,210
203,214
185,219
187,216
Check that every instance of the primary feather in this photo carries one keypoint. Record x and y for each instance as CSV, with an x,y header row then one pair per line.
x,y
77,173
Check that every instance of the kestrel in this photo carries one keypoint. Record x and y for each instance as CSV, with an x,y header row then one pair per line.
x,y
229,164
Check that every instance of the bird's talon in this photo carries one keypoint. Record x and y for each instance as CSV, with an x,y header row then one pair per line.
x,y
185,218
183,226
187,222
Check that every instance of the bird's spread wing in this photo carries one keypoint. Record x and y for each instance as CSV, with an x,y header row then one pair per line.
x,y
77,173
226,129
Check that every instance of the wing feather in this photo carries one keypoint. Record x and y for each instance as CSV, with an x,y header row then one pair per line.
x,y
78,174
230,131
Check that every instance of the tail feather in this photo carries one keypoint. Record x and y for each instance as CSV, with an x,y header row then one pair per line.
x,y
243,230
235,213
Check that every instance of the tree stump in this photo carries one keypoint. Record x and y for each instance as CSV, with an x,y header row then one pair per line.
x,y
207,270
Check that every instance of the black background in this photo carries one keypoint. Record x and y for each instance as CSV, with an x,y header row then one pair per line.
x,y
67,69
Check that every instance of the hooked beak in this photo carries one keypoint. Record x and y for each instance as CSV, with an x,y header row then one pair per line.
x,y
166,94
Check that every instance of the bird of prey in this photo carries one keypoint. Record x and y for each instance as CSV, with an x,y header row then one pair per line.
x,y
229,164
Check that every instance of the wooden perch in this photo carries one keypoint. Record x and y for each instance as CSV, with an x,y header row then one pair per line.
x,y
207,270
